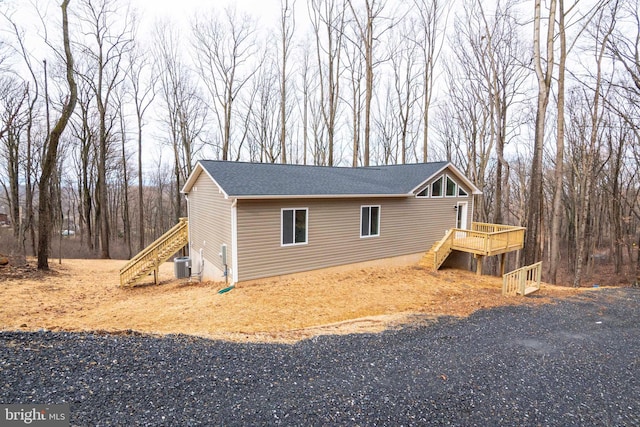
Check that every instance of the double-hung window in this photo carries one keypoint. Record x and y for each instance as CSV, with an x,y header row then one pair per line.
x,y
369,221
294,226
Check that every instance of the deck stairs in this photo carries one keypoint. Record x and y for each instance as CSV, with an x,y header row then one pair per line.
x,y
438,253
150,258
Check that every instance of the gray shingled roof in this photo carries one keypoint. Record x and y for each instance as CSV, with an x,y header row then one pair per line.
x,y
239,179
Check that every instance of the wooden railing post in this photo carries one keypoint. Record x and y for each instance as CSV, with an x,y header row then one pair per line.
x,y
517,280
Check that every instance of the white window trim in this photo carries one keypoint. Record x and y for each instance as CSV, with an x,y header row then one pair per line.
x,y
427,188
306,227
379,221
466,193
442,188
455,188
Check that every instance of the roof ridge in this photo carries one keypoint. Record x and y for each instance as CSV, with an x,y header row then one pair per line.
x,y
324,166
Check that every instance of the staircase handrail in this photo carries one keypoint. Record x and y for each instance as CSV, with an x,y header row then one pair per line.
x,y
448,240
173,230
152,250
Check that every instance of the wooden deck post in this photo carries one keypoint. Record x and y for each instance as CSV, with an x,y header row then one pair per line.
x,y
502,262
479,259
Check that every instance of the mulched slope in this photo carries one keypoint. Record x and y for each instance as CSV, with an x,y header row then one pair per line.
x,y
571,363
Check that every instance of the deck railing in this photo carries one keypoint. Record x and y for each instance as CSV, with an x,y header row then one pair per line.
x,y
491,228
488,239
522,281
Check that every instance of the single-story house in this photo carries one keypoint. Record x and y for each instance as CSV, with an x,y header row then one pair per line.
x,y
255,220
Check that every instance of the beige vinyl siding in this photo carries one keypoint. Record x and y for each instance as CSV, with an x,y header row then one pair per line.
x,y
407,226
209,221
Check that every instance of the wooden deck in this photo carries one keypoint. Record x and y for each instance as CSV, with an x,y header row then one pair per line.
x,y
488,239
481,240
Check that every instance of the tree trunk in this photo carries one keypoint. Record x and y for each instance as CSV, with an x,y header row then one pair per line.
x,y
140,188
50,159
556,212
533,237
126,221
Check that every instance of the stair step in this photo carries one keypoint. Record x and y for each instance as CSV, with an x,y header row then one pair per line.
x,y
175,240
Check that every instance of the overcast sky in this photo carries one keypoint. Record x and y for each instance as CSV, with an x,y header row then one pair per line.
x,y
264,11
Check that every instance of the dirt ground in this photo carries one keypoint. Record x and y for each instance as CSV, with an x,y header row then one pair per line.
x,y
83,295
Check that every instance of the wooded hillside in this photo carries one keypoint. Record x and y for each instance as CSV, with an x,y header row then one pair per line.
x,y
537,102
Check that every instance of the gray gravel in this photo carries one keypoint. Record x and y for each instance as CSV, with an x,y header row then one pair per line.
x,y
571,363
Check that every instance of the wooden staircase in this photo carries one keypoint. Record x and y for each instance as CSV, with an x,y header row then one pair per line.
x,y
438,253
428,259
150,258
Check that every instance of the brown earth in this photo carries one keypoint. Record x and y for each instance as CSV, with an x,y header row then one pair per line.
x,y
83,295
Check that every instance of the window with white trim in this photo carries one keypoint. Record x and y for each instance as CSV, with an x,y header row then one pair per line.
x,y
461,191
436,187
294,226
369,221
423,193
451,188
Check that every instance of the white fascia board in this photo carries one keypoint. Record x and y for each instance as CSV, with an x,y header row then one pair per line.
x,y
459,174
194,177
474,189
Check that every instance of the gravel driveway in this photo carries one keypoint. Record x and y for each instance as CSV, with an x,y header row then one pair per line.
x,y
571,363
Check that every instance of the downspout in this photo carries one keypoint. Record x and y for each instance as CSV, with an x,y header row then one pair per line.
x,y
234,241
186,198
234,250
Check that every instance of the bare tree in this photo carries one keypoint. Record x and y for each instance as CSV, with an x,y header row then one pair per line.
x,y
120,99
485,77
368,35
328,23
109,39
354,70
51,156
544,74
13,94
557,213
603,28
306,77
142,79
263,108
500,53
287,28
185,110
225,49
85,129
623,49
33,94
406,79
468,110
386,128
430,37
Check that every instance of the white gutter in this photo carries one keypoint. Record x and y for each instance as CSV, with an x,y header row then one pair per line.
x,y
321,196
